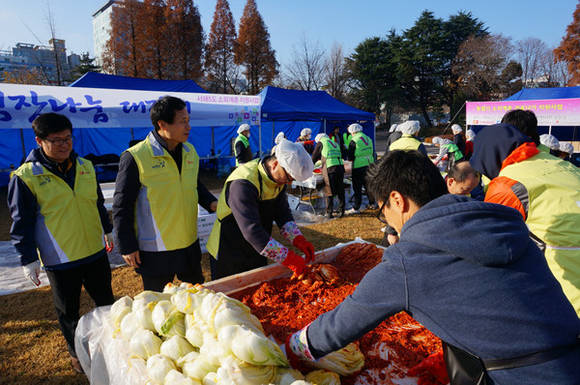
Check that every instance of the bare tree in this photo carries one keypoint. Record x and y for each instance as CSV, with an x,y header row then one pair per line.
x,y
307,69
530,53
479,65
55,49
336,77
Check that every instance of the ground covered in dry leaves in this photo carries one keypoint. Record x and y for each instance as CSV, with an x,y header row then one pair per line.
x,y
32,349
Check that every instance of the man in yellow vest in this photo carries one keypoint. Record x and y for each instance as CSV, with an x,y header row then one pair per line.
x,y
58,214
329,151
254,196
242,148
408,140
156,196
361,153
544,189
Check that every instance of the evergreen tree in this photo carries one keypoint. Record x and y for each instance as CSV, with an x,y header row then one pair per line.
x,y
87,65
253,49
219,53
569,49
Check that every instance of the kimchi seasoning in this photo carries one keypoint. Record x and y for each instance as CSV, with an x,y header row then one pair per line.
x,y
399,347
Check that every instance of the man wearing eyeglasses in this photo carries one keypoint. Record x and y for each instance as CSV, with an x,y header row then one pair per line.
x,y
467,271
254,196
59,216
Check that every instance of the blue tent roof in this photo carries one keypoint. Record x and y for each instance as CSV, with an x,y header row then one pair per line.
x,y
546,93
296,105
98,80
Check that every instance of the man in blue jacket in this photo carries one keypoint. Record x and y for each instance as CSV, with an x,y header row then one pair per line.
x,y
468,272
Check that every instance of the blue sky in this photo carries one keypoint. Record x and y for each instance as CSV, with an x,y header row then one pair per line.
x,y
347,22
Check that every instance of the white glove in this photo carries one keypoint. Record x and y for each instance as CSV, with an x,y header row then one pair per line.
x,y
31,272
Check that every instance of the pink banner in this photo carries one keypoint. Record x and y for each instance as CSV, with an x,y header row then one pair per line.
x,y
553,112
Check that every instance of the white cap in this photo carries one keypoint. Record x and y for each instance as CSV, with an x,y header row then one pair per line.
x,y
437,140
305,132
393,127
550,141
410,127
319,137
567,147
295,160
470,135
279,137
243,127
456,128
353,128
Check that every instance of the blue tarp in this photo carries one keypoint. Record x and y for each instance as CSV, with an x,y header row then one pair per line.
x,y
546,93
98,80
292,110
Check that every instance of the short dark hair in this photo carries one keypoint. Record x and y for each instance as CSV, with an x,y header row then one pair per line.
x,y
164,109
525,121
49,123
460,174
410,173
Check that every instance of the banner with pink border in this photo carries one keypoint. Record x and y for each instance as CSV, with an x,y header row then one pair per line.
x,y
553,112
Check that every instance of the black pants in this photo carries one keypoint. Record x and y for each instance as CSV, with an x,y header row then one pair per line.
x,y
66,291
336,179
159,268
358,181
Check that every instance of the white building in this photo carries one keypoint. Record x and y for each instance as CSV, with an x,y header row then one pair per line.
x,y
102,30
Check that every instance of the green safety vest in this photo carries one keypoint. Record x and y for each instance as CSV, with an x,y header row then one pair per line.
x,y
68,226
553,187
452,149
405,142
254,172
166,208
346,138
363,155
331,152
241,138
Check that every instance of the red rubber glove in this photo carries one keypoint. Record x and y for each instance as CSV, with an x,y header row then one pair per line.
x,y
294,262
306,247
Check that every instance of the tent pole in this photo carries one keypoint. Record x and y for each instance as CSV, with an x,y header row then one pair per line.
x,y
550,130
212,141
132,134
260,139
22,143
325,126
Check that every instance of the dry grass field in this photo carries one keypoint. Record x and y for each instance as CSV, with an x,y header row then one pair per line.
x,y
32,350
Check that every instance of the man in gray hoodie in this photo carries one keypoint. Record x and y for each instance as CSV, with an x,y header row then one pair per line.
x,y
466,270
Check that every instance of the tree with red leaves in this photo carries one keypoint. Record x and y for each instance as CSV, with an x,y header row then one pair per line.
x,y
219,54
569,49
253,49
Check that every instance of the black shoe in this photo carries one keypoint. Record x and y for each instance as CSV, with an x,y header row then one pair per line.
x,y
329,215
340,214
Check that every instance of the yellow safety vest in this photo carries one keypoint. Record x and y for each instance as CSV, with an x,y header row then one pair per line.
x,y
405,142
166,208
254,172
68,226
553,187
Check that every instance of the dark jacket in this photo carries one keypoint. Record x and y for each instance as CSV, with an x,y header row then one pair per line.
x,y
24,210
393,136
492,145
243,153
459,140
469,273
127,188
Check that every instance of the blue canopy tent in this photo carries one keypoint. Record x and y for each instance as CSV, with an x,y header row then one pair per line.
x,y
98,80
562,132
290,111
106,120
546,93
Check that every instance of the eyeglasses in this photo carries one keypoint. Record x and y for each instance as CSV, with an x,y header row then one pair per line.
x,y
66,140
381,215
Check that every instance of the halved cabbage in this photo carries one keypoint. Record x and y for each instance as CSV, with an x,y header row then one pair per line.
x,y
345,361
144,344
158,366
168,321
323,377
175,347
